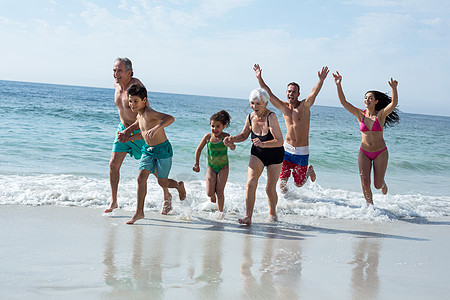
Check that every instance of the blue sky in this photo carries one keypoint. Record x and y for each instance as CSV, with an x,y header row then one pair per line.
x,y
208,47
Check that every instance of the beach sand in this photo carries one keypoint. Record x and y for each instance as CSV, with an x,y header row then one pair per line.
x,y
50,252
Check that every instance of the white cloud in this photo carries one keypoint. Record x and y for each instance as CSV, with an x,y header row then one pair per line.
x,y
180,42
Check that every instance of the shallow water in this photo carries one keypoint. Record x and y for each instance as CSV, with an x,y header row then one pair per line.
x,y
58,140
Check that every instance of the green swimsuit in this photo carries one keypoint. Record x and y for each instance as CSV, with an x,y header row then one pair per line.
x,y
217,155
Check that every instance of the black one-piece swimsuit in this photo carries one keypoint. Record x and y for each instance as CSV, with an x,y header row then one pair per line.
x,y
268,156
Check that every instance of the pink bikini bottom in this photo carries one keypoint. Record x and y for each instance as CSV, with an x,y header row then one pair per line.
x,y
372,155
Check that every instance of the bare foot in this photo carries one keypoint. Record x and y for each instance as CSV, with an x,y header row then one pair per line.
x,y
312,174
167,206
384,189
213,199
181,190
135,218
112,206
273,218
245,221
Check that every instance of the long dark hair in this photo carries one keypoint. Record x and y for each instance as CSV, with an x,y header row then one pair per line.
x,y
222,117
383,101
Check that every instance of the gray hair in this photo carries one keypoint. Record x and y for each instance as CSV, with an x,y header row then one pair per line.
x,y
259,94
127,62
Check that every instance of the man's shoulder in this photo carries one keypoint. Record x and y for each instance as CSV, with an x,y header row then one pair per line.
x,y
135,80
302,105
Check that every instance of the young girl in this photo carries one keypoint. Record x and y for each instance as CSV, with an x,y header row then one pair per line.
x,y
217,160
380,112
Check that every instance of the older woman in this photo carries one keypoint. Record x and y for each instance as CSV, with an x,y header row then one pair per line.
x,y
267,151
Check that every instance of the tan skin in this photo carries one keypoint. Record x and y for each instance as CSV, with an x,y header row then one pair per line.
x,y
255,166
122,81
215,182
152,124
372,141
296,114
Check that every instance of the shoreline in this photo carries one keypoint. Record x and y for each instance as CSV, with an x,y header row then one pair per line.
x,y
73,252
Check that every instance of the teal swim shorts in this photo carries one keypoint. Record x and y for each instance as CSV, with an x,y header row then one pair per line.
x,y
132,147
157,159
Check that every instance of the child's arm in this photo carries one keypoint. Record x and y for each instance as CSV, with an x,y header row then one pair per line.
x,y
127,134
198,152
232,146
165,120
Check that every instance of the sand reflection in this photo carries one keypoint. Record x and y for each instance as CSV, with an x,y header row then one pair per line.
x,y
278,274
365,281
141,277
211,265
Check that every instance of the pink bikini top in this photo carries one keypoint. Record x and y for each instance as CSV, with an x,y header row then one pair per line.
x,y
376,125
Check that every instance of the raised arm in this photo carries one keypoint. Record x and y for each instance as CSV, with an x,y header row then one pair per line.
x,y
316,89
391,106
273,99
338,80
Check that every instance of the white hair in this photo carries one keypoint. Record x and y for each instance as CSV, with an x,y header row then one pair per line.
x,y
259,94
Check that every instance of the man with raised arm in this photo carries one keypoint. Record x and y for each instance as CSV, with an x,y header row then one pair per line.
x,y
296,115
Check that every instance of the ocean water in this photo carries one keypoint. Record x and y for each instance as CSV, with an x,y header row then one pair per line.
x,y
57,139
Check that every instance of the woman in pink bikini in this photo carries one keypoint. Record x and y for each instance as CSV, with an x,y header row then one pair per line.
x,y
380,112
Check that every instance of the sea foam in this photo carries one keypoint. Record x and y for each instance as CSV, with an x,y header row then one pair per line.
x,y
311,200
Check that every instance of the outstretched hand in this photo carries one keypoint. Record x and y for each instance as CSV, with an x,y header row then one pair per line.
x,y
228,142
323,74
393,83
257,70
337,78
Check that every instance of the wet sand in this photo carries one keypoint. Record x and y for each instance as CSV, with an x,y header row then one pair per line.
x,y
50,252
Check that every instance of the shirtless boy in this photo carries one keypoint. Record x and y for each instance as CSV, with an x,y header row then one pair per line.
x,y
296,115
156,153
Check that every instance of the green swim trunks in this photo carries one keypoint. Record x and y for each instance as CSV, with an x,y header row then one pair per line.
x,y
132,147
157,159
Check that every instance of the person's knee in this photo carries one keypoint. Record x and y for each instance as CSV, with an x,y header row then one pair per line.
x,y
163,182
141,179
211,193
378,184
114,165
252,184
